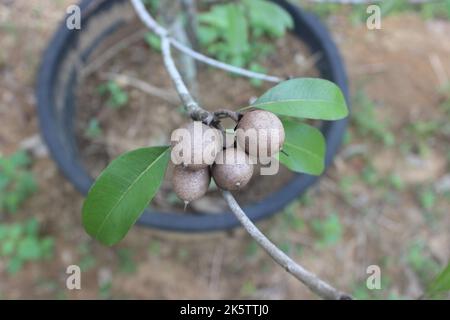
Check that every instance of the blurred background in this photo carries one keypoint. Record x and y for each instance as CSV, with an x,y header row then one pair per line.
x,y
385,201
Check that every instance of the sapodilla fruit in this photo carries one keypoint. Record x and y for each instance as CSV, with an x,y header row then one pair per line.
x,y
232,169
255,132
195,145
190,185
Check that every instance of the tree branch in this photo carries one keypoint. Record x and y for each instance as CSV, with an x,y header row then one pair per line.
x,y
314,283
225,113
194,110
151,23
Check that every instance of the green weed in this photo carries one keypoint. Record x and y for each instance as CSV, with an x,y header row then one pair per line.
x,y
16,181
21,243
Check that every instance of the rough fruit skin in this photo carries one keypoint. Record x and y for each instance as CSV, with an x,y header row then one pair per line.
x,y
199,146
235,172
190,185
259,120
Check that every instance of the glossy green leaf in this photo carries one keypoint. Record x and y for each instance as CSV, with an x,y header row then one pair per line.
x,y
122,192
303,149
217,17
441,284
308,98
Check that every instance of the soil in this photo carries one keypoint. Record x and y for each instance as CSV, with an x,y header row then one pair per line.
x,y
400,67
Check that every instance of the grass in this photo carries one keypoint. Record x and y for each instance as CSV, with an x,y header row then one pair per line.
x,y
357,14
154,249
427,198
396,182
243,33
345,186
17,182
116,96
183,254
291,218
248,289
93,130
420,261
21,243
126,261
105,290
252,249
365,121
328,231
87,260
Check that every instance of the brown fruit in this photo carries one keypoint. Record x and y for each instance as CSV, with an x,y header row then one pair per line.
x,y
202,141
232,169
190,185
255,133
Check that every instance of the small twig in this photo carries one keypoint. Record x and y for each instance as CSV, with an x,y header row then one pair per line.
x,y
194,110
314,283
151,23
225,113
126,80
224,66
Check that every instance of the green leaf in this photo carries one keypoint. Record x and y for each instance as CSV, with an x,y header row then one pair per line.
x,y
20,159
308,98
440,284
268,17
153,41
93,129
31,227
329,230
303,149
122,192
217,17
207,35
237,34
29,249
7,247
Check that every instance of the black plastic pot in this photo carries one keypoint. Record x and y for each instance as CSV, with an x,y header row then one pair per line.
x,y
58,77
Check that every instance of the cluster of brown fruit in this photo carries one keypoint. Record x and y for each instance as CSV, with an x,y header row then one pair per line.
x,y
227,159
